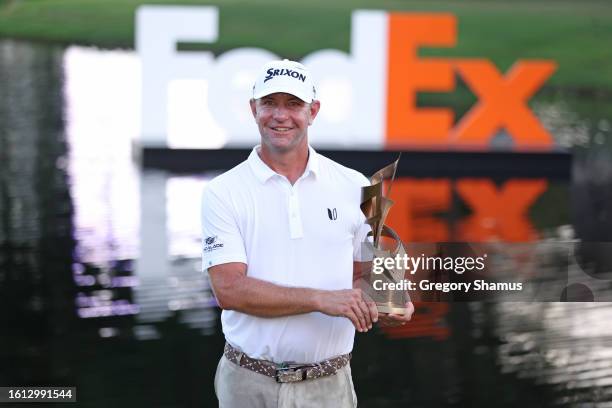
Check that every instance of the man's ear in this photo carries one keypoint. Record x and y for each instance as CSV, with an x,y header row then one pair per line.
x,y
252,102
315,106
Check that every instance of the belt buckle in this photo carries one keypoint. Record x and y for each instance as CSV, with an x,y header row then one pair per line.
x,y
291,374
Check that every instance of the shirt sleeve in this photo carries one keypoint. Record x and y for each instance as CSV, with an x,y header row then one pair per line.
x,y
222,241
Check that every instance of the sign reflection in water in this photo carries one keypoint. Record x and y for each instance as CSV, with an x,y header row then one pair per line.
x,y
106,188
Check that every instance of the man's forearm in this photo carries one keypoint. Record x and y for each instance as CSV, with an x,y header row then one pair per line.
x,y
264,299
237,291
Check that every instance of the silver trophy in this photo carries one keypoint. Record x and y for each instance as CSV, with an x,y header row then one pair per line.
x,y
382,242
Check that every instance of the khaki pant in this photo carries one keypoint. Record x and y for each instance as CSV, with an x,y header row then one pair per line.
x,y
237,387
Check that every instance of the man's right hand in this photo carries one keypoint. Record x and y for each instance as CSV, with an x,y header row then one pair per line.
x,y
350,304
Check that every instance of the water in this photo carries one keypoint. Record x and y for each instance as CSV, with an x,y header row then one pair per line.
x,y
100,282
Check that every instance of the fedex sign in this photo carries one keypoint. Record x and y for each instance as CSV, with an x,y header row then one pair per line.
x,y
368,96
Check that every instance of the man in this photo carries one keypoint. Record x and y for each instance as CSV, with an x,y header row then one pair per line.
x,y
281,231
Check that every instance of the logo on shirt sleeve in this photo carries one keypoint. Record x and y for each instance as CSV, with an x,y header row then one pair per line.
x,y
211,243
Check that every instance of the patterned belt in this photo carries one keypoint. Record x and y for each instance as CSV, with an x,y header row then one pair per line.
x,y
286,372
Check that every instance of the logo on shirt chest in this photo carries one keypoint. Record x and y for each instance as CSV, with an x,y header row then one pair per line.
x,y
211,243
332,214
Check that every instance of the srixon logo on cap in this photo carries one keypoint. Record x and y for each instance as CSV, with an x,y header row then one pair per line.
x,y
288,72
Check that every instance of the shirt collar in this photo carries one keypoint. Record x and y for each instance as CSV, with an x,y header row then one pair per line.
x,y
264,173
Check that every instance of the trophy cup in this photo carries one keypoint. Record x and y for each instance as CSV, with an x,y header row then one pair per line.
x,y
384,243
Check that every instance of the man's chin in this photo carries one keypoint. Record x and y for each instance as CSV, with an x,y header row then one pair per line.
x,y
281,146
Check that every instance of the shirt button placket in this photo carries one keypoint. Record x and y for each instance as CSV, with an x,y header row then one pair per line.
x,y
295,221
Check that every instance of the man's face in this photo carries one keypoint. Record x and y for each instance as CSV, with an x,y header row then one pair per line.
x,y
283,120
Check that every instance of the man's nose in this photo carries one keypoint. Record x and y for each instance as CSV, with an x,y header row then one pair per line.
x,y
280,113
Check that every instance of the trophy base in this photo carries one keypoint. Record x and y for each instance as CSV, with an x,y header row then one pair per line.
x,y
389,308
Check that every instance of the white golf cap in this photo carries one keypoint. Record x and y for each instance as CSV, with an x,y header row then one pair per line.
x,y
285,76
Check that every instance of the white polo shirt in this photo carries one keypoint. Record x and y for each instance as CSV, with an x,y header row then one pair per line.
x,y
301,235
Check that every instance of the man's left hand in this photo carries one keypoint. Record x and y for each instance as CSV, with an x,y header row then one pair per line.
x,y
395,320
